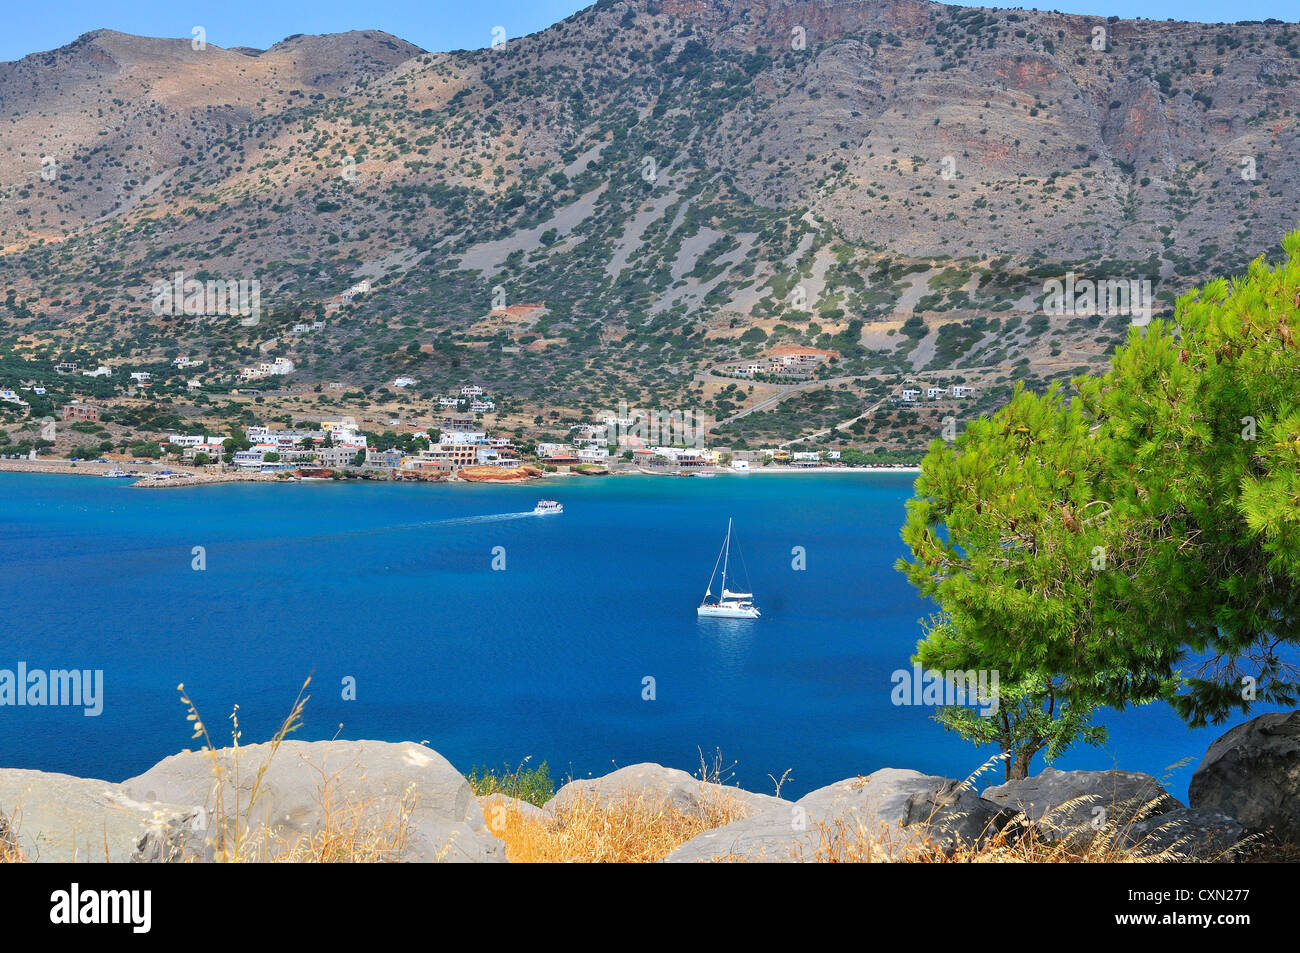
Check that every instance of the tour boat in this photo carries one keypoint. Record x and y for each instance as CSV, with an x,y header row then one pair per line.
x,y
545,507
730,605
115,473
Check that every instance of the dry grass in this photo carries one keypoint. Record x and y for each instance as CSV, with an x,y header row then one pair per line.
x,y
632,829
1102,841
640,829
635,827
351,830
9,852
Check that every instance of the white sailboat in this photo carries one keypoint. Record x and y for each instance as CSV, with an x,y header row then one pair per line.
x,y
730,605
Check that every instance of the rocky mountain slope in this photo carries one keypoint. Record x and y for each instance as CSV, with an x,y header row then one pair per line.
x,y
680,183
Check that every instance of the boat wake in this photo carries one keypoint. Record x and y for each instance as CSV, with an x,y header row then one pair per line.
x,y
245,545
406,527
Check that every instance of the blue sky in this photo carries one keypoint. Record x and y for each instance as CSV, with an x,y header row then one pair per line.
x,y
30,27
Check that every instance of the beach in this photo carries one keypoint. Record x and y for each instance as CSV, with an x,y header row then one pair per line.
x,y
151,476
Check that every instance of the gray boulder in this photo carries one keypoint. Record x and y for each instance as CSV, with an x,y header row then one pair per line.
x,y
1185,834
1075,807
498,807
887,814
1252,773
56,818
407,790
686,793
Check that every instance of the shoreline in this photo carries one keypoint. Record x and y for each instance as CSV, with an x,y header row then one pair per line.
x,y
900,468
182,476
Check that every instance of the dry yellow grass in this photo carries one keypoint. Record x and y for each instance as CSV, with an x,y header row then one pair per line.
x,y
642,829
632,829
637,829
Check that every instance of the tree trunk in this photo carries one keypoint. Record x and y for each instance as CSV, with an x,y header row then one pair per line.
x,y
1018,767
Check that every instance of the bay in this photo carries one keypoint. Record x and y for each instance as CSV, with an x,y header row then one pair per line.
x,y
393,586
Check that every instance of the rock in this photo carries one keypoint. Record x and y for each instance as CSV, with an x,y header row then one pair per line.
x,y
686,793
1252,773
1072,807
497,807
778,835
176,840
886,814
56,818
335,786
1185,834
499,474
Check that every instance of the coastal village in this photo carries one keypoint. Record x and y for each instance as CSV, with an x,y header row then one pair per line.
x,y
185,417
183,420
451,442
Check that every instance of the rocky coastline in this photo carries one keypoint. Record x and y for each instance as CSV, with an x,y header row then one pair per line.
x,y
1244,796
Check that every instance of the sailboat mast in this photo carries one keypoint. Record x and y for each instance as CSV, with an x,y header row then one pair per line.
x,y
726,559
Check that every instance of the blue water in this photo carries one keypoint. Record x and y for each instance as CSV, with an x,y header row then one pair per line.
x,y
393,585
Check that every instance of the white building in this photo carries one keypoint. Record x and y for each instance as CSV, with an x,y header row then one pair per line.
x,y
141,377
357,289
253,457
405,382
9,397
962,391
593,454
934,393
213,450
462,439
554,451
471,390
101,371
910,395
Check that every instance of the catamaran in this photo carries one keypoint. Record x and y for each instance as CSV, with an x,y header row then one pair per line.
x,y
730,605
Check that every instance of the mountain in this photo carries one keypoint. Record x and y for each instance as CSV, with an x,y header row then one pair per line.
x,y
679,183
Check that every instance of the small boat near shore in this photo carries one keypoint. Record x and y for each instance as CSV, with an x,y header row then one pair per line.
x,y
116,473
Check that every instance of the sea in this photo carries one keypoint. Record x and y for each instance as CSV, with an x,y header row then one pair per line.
x,y
450,615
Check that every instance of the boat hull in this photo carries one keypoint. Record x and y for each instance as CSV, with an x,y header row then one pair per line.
x,y
726,612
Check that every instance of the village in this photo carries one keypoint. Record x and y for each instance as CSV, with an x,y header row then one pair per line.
x,y
458,446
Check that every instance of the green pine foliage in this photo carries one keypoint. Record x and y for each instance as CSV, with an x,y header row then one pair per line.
x,y
1136,540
